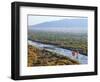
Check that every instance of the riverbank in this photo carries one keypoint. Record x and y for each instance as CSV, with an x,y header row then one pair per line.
x,y
64,47
42,57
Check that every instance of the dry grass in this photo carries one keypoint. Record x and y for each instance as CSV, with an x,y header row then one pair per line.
x,y
38,57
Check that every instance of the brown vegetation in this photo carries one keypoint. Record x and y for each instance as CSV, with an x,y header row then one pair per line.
x,y
37,57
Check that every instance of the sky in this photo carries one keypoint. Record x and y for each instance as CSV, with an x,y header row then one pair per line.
x,y
36,20
32,20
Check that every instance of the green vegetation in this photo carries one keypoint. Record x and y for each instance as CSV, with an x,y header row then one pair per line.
x,y
65,40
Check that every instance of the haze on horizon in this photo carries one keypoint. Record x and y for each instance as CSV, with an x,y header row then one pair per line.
x,y
58,24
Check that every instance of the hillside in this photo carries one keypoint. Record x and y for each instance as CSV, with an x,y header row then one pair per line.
x,y
38,57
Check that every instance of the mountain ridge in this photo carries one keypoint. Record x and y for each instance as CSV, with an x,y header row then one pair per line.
x,y
63,23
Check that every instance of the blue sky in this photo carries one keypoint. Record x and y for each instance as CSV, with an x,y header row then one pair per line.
x,y
60,24
32,20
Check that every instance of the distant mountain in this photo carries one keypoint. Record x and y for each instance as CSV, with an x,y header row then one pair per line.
x,y
64,23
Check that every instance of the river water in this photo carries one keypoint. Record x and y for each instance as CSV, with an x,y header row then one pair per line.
x,y
52,48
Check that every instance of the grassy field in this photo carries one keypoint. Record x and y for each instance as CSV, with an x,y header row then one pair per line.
x,y
37,57
65,40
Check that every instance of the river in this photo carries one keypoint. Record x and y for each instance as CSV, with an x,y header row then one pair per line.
x,y
52,48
